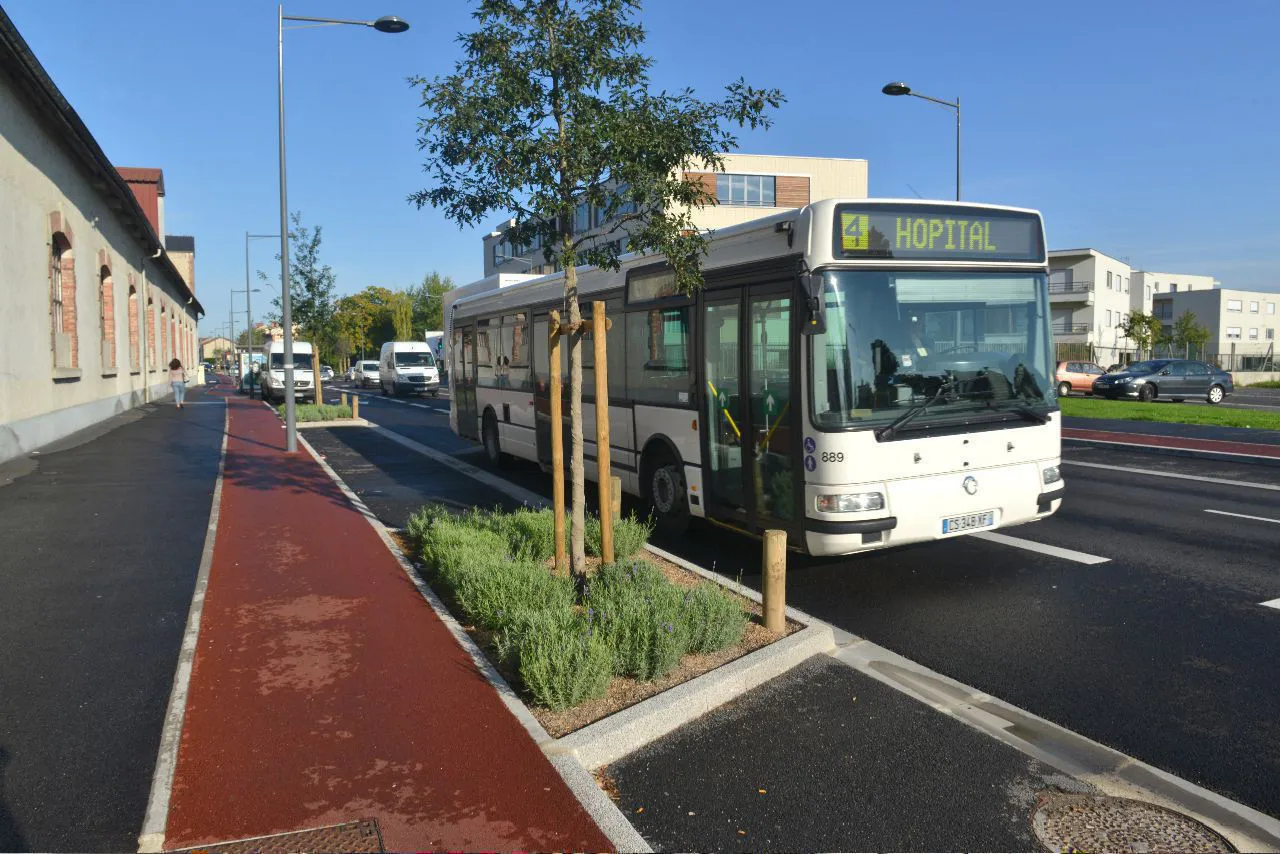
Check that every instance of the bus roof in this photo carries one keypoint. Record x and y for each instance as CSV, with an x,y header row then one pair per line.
x,y
755,240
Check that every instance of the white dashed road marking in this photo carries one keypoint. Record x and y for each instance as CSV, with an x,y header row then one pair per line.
x,y
1274,603
1031,546
1244,516
1271,486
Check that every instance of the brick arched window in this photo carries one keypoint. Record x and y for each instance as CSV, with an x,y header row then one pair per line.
x,y
107,315
164,332
134,351
151,333
62,295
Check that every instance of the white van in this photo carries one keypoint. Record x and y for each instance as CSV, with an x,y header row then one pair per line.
x,y
408,366
272,378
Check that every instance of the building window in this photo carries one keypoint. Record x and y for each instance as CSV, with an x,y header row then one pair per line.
x,y
751,190
1108,318
1233,332
107,318
1253,306
581,218
62,294
134,352
1126,284
1271,334
151,333
1109,280
1253,333
1271,308
1234,305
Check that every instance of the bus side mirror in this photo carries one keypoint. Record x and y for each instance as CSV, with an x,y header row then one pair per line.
x,y
815,317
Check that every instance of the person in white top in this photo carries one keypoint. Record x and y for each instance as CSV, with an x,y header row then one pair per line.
x,y
178,380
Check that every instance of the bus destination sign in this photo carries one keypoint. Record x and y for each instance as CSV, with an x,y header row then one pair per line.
x,y
937,233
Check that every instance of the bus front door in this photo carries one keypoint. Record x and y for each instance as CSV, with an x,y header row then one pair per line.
x,y
463,371
748,364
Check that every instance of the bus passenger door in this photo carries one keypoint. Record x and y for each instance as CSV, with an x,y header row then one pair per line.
x,y
464,384
773,416
723,417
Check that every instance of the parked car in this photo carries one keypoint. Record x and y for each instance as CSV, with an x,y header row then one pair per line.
x,y
1076,376
367,373
350,375
1174,379
326,372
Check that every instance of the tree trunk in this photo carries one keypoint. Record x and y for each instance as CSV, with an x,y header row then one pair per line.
x,y
577,469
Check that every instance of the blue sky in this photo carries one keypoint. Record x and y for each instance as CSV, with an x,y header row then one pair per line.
x,y
1147,129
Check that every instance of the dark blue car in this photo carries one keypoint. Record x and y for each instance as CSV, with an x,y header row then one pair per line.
x,y
1172,379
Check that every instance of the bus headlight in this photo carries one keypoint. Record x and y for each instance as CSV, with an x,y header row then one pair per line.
x,y
849,502
1051,475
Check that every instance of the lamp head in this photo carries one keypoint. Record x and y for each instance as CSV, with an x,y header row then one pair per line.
x,y
896,88
390,24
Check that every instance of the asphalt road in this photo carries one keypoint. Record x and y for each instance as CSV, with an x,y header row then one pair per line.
x,y
1164,652
102,537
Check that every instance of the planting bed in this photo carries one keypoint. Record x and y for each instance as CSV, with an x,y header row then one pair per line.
x,y
579,652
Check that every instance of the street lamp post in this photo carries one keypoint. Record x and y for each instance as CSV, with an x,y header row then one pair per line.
x,y
903,89
385,24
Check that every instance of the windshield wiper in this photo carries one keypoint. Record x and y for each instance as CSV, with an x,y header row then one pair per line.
x,y
944,385
1026,411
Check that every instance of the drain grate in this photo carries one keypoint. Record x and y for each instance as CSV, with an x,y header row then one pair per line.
x,y
355,836
1065,822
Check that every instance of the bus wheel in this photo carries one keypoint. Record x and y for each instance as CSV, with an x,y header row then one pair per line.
x,y
667,493
489,437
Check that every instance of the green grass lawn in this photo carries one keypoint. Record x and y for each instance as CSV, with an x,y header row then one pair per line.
x,y
1175,413
314,412
1266,384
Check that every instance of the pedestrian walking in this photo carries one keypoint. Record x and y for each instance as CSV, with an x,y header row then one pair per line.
x,y
178,380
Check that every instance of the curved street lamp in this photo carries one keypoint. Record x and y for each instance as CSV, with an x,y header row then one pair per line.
x,y
899,88
385,24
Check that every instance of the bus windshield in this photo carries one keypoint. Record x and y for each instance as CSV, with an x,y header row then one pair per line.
x,y
419,359
301,361
962,341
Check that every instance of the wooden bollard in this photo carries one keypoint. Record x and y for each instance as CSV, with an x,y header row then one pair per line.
x,y
355,406
615,488
774,581
342,398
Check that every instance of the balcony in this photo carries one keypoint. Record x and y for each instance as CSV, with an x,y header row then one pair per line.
x,y
1071,292
1061,329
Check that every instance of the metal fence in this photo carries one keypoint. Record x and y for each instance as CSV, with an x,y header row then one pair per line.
x,y
1237,357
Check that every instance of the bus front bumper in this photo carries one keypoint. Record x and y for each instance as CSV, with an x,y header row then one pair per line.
x,y
830,538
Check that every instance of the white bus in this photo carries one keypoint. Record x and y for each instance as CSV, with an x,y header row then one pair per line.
x,y
860,374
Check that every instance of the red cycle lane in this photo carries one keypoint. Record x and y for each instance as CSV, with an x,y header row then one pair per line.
x,y
326,690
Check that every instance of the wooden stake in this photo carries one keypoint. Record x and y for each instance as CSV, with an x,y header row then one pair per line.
x,y
355,406
557,442
604,476
775,580
615,488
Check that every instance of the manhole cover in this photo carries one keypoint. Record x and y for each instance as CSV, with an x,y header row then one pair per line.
x,y
354,836
1093,823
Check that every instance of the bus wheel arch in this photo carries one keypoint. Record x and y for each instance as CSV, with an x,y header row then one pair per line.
x,y
663,485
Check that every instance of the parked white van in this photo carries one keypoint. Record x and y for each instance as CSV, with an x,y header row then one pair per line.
x,y
408,367
304,379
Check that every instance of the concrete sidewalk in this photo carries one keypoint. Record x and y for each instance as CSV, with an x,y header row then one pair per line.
x,y
326,690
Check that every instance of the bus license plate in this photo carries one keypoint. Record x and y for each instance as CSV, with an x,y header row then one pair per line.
x,y
968,522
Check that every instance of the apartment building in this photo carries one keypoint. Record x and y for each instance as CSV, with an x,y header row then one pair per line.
x,y
92,305
1242,324
750,186
1090,292
1147,285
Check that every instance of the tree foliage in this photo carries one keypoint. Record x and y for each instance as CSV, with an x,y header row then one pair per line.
x,y
311,288
428,302
551,107
1187,331
1141,328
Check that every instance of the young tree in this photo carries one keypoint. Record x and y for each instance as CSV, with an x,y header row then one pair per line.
x,y
551,107
1187,331
1141,328
311,287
